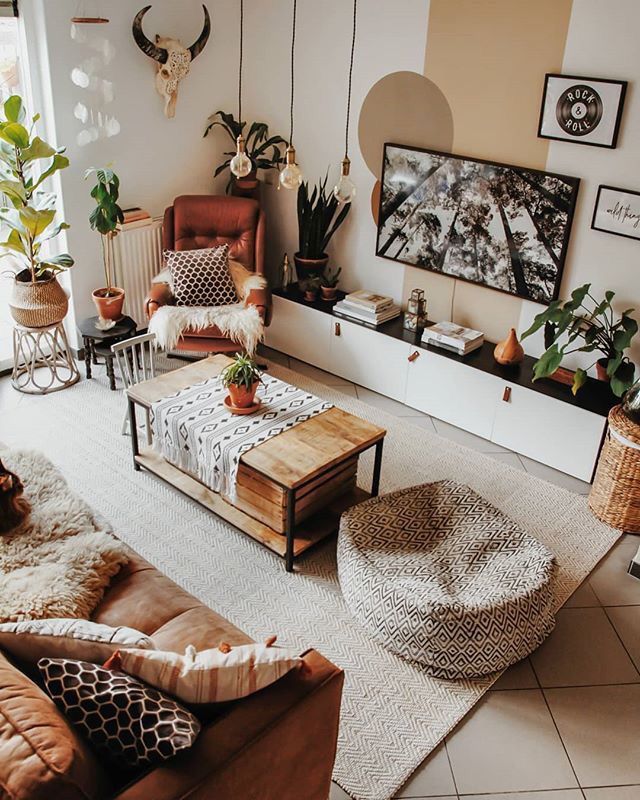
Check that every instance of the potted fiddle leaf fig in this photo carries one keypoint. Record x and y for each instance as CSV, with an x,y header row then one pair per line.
x,y
263,150
318,220
104,219
586,325
37,299
242,378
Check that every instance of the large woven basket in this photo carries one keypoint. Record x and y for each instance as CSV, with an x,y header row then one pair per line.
x,y
39,304
615,494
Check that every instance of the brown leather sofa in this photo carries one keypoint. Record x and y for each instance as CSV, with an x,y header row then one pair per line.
x,y
278,744
197,221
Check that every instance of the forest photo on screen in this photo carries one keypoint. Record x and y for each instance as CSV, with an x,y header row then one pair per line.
x,y
500,226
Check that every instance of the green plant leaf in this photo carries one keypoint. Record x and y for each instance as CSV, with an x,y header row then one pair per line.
x,y
37,149
14,109
623,378
15,134
548,363
13,190
59,162
579,380
36,221
577,296
62,261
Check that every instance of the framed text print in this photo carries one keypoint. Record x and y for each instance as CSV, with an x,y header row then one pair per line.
x,y
617,211
581,110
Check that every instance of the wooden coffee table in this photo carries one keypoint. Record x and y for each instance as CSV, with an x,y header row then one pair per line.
x,y
303,478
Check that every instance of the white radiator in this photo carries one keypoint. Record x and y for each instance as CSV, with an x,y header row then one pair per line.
x,y
137,259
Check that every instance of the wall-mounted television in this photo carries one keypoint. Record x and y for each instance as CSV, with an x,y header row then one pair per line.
x,y
496,225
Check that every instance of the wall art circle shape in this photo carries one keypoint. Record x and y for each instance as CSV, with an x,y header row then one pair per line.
x,y
579,110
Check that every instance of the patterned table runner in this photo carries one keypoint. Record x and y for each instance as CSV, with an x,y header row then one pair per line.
x,y
194,430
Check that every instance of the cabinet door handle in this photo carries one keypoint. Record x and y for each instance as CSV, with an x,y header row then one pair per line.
x,y
336,329
506,395
413,356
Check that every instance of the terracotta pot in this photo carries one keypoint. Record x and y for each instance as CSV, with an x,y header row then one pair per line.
x,y
308,267
39,304
109,307
601,370
329,292
311,295
241,397
510,350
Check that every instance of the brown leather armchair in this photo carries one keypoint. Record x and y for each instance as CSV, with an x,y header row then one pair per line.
x,y
198,221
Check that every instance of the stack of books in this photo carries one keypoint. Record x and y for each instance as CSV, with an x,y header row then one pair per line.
x,y
455,338
135,218
367,307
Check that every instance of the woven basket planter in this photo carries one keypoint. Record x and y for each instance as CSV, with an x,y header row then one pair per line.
x,y
39,304
615,494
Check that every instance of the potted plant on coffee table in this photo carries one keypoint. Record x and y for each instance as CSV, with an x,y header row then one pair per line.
x,y
105,218
587,325
329,284
37,299
242,378
318,220
262,149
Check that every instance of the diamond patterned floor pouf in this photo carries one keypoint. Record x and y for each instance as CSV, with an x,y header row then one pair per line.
x,y
439,576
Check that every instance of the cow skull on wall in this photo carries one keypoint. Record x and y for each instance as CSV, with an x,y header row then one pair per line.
x,y
174,59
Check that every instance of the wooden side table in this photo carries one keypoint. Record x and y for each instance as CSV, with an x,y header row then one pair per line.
x,y
98,343
42,360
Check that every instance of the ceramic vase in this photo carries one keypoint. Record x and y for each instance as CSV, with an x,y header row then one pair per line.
x,y
510,350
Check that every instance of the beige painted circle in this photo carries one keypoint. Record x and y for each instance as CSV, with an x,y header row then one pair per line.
x,y
406,108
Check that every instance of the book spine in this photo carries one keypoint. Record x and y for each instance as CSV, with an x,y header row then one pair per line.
x,y
343,315
357,301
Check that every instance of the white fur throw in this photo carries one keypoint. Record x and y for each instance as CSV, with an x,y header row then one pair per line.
x,y
58,562
241,323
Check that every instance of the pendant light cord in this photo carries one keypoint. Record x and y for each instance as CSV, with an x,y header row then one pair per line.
x,y
240,64
353,47
293,49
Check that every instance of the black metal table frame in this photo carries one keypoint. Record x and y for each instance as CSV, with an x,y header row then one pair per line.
x,y
289,532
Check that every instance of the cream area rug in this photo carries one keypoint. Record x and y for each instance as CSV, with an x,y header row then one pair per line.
x,y
393,713
58,562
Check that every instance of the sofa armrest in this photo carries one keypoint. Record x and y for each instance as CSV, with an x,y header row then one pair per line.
x,y
261,299
278,744
158,295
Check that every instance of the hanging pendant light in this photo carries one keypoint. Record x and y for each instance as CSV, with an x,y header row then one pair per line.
x,y
82,18
291,175
344,191
240,165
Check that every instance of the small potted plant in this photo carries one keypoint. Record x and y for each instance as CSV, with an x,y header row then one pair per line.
x,y
318,219
329,284
262,149
37,299
587,329
241,378
105,218
310,287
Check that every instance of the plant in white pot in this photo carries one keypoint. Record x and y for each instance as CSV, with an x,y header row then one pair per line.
x,y
105,218
26,161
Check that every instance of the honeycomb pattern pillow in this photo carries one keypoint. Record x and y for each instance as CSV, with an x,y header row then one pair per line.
x,y
126,721
201,277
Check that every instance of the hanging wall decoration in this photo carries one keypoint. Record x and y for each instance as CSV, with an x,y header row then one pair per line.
x,y
174,59
344,191
291,175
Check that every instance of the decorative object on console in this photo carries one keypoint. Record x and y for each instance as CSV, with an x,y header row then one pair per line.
x,y
415,317
329,283
615,494
37,299
174,59
217,675
105,218
509,351
344,191
14,507
599,331
128,722
319,217
242,379
291,175
287,278
453,337
497,225
581,110
367,307
617,211
310,287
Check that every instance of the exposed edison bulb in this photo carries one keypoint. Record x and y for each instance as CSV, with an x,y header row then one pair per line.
x,y
240,164
344,191
291,175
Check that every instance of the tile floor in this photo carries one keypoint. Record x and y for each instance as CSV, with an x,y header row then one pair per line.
x,y
565,723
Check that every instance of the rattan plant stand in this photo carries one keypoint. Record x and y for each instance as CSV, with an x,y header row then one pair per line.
x,y
42,360
615,494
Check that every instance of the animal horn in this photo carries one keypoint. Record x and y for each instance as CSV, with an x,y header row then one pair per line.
x,y
147,47
198,46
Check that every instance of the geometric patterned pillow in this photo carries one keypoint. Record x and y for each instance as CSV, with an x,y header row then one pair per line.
x,y
125,720
201,277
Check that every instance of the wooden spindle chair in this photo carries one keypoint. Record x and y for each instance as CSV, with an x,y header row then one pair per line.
x,y
135,359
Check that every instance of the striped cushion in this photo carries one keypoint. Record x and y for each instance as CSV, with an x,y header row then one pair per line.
x,y
210,676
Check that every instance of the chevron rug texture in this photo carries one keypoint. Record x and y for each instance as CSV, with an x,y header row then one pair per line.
x,y
393,713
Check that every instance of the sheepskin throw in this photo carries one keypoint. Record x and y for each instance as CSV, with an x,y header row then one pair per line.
x,y
58,562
